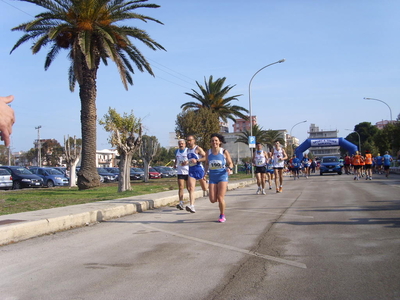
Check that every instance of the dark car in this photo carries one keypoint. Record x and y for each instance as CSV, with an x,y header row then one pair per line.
x,y
137,174
330,164
108,177
114,171
23,178
51,176
166,172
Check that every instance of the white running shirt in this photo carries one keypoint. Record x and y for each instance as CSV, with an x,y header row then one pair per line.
x,y
181,158
277,157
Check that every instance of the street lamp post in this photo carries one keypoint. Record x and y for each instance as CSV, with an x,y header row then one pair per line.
x,y
390,110
250,109
39,147
291,134
359,139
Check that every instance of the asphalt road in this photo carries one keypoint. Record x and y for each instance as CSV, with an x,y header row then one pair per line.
x,y
325,237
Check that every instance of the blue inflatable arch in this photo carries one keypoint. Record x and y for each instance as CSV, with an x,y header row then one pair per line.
x,y
329,142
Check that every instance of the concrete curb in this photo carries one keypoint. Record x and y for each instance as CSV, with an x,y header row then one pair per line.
x,y
395,170
22,226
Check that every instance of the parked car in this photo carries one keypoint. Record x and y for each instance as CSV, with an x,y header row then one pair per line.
x,y
108,177
172,170
6,181
114,171
153,174
62,169
23,178
51,177
175,171
166,172
330,164
137,174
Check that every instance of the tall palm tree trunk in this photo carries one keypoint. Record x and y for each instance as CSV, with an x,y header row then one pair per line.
x,y
88,176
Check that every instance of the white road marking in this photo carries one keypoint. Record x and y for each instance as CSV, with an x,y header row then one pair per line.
x,y
248,252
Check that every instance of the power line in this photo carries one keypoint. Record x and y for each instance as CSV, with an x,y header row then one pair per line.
x,y
173,82
180,74
172,75
173,71
17,8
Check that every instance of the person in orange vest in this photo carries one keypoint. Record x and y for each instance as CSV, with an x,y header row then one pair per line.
x,y
368,165
362,169
357,165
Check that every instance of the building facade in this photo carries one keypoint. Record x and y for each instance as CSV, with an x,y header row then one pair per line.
x,y
316,133
106,158
242,125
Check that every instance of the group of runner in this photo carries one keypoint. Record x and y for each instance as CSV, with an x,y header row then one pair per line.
x,y
189,159
297,166
189,164
367,164
268,166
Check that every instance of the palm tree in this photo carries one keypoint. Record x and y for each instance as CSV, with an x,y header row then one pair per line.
x,y
265,137
271,136
89,29
214,96
258,132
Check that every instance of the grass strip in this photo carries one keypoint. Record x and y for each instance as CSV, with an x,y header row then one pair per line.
x,y
32,199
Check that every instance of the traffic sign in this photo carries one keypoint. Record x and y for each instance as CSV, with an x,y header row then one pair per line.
x,y
252,141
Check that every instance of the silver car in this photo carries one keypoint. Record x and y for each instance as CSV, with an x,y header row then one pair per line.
x,y
51,177
6,181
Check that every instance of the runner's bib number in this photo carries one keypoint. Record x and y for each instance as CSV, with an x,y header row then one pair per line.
x,y
215,164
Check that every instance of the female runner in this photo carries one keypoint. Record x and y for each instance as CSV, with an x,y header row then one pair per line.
x,y
219,165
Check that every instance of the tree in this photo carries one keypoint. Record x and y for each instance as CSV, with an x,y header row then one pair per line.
x,y
72,153
396,137
148,150
28,157
258,133
126,135
3,155
164,156
265,137
366,131
271,136
90,30
51,152
214,96
200,123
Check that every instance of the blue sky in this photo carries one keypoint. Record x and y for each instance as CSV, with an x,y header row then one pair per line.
x,y
337,53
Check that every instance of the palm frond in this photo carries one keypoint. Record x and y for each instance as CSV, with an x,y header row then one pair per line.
x,y
88,28
50,56
213,95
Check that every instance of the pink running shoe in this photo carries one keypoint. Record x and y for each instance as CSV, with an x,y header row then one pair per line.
x,y
222,219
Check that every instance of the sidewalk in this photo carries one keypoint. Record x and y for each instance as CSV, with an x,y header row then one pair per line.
x,y
22,226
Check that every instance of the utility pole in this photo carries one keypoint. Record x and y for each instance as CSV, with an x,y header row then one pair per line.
x,y
9,156
39,147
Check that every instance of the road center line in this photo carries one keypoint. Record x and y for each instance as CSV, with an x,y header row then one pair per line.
x,y
267,257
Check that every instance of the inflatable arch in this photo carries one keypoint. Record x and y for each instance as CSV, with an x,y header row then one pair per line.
x,y
325,143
